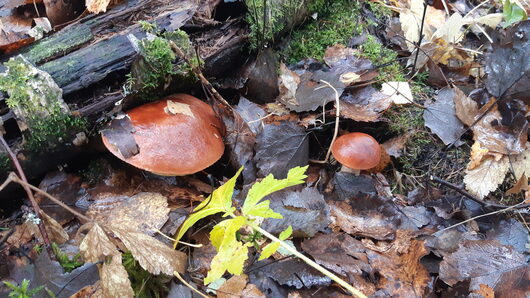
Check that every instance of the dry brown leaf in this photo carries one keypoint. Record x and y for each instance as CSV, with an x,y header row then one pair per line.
x,y
394,146
23,234
97,6
151,254
520,164
96,245
151,208
115,280
90,291
486,177
485,291
233,288
411,18
520,185
477,154
252,291
466,108
178,107
364,104
55,231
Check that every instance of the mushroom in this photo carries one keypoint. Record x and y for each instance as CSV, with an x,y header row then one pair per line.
x,y
176,136
357,151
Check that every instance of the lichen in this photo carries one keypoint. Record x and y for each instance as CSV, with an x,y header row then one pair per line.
x,y
37,103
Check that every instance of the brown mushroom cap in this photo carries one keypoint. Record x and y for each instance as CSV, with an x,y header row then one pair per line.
x,y
178,140
357,151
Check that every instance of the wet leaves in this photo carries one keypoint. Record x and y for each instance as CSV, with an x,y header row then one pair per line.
x,y
440,117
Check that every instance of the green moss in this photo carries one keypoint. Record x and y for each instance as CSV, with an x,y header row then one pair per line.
x,y
68,263
37,103
5,163
155,68
144,283
335,25
379,55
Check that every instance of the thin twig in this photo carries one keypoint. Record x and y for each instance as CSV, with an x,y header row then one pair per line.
x,y
421,36
337,118
34,204
475,199
516,206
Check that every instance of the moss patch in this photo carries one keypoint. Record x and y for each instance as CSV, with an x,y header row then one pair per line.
x,y
37,103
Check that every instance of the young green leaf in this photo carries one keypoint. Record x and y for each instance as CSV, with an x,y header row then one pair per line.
x,y
231,254
219,201
271,248
263,210
513,13
269,185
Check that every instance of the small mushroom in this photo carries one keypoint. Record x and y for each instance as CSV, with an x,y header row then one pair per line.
x,y
357,151
176,136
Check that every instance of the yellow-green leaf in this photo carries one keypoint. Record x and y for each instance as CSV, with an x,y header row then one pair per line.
x,y
219,201
269,185
231,257
269,250
224,232
286,233
263,210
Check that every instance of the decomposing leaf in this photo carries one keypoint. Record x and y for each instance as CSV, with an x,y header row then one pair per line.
x,y
261,76
63,186
96,245
485,178
281,147
120,133
151,254
342,254
51,274
151,208
233,288
251,113
174,107
291,272
55,231
252,291
440,117
490,263
23,234
402,273
508,64
347,63
509,232
348,186
399,92
305,210
364,104
411,19
369,216
115,280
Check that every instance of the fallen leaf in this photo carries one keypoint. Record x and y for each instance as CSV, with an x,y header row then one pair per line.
x,y
305,211
441,119
508,64
281,147
520,164
485,291
466,108
150,207
251,113
411,18
174,108
97,6
369,216
485,178
349,65
399,92
89,291
477,154
55,231
394,147
96,245
233,288
509,232
251,291
151,254
114,279
490,263
23,234
344,255
520,186
64,187
120,133
348,186
290,272
364,104
402,273
261,77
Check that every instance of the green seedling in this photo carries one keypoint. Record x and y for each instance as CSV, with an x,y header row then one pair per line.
x,y
232,251
23,291
65,261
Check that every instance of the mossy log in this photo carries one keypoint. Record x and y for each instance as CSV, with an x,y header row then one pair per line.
x,y
88,57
